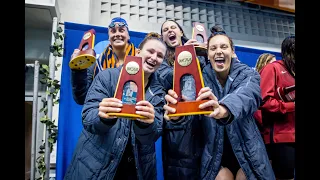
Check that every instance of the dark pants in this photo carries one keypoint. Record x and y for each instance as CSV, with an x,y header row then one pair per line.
x,y
283,159
127,169
229,159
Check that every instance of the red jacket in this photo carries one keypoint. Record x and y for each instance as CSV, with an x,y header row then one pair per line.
x,y
276,114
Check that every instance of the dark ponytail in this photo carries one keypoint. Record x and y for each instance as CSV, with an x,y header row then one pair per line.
x,y
216,29
288,53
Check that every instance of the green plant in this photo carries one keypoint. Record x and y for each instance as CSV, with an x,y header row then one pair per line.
x,y
53,87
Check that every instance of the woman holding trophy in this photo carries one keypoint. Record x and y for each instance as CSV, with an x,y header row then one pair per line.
x,y
114,147
227,141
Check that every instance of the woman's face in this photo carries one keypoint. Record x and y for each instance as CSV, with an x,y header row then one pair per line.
x,y
171,34
118,36
152,55
220,53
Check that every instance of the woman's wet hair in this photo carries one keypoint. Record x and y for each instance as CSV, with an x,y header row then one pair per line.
x,y
263,60
288,53
216,30
151,36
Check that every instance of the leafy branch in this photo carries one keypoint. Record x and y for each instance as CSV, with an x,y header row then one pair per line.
x,y
53,87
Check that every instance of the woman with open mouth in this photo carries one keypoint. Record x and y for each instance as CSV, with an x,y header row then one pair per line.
x,y
179,162
173,35
117,148
228,140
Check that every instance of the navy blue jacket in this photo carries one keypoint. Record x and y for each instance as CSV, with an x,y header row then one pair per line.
x,y
103,141
80,82
181,148
241,96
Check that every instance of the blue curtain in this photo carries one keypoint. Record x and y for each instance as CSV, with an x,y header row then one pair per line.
x,y
249,56
69,124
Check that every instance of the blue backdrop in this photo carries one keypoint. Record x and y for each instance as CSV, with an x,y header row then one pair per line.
x,y
69,124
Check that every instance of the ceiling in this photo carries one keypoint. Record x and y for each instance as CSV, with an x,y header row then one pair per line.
x,y
39,18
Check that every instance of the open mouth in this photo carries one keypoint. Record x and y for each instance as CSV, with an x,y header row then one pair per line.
x,y
151,64
172,37
219,61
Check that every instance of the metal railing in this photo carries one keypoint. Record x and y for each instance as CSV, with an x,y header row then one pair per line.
x,y
35,111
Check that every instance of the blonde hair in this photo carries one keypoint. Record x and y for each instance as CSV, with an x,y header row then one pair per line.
x,y
149,36
263,60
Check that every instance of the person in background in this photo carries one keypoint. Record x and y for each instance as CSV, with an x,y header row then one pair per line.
x,y
113,56
263,60
121,148
278,110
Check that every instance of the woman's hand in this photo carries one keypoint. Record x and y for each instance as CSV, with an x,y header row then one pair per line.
x,y
219,111
171,98
146,109
109,105
74,53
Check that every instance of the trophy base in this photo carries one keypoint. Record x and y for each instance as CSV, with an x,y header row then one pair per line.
x,y
201,50
189,108
83,60
128,111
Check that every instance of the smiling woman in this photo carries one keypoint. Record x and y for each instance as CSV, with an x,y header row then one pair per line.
x,y
112,56
233,93
153,51
220,53
174,155
128,145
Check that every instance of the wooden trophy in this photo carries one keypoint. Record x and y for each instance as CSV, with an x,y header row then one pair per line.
x,y
186,63
86,56
199,33
130,87
287,94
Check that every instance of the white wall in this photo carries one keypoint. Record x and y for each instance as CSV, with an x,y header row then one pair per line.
x,y
89,12
77,11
